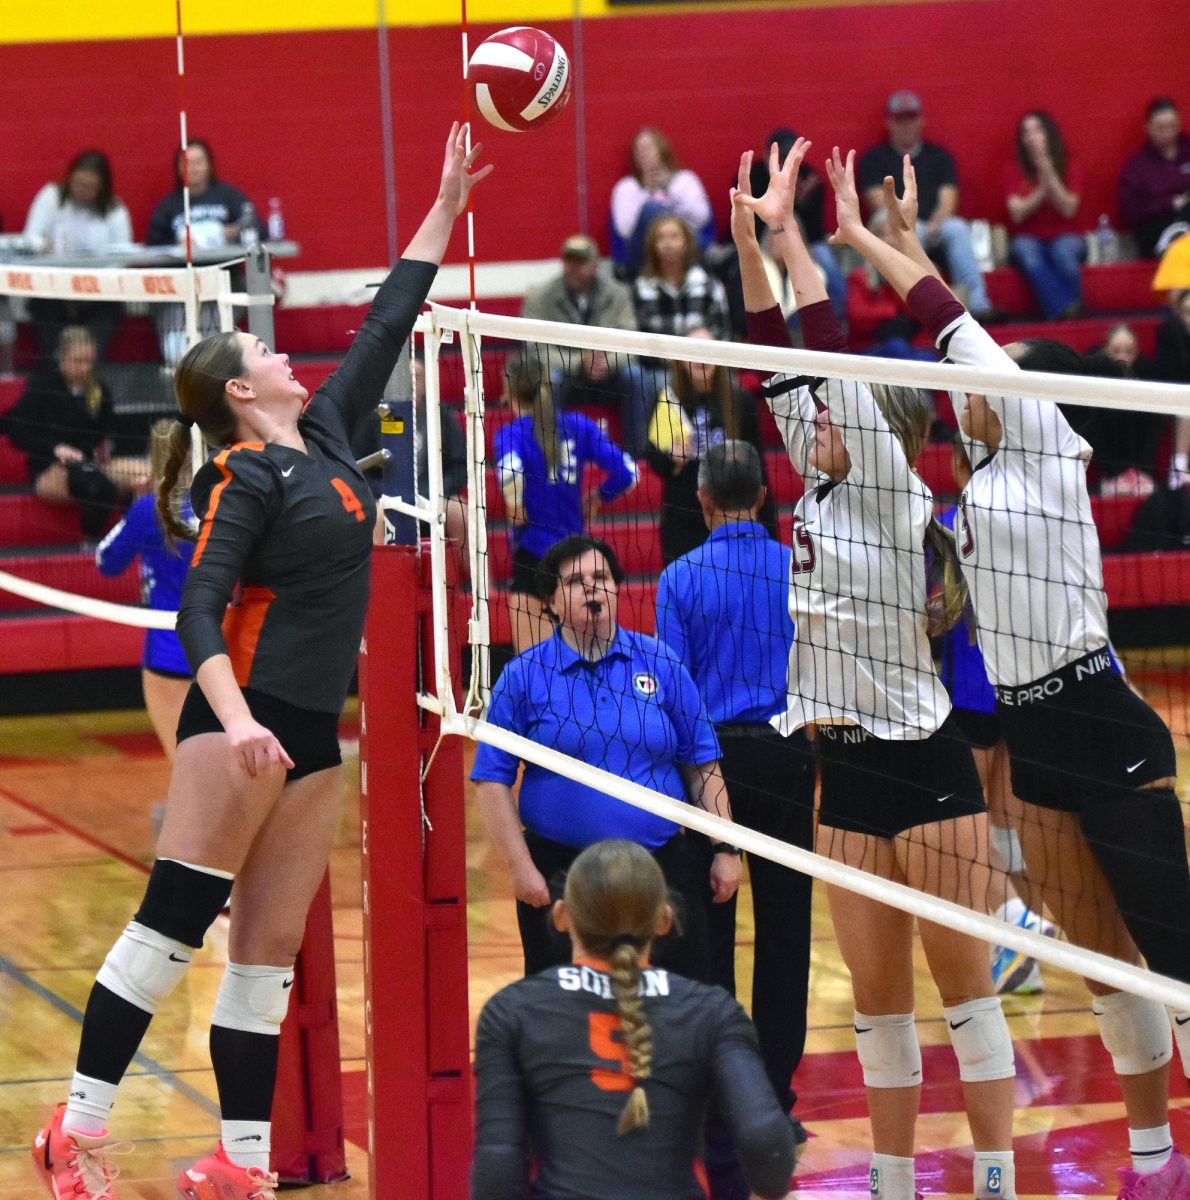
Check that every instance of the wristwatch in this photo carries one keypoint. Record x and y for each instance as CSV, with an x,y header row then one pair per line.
x,y
725,848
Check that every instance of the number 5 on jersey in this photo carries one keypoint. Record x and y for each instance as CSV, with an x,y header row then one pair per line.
x,y
350,499
804,558
602,1030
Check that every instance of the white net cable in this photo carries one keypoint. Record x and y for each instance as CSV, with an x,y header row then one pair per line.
x,y
489,341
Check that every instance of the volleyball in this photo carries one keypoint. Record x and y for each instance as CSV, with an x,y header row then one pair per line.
x,y
520,78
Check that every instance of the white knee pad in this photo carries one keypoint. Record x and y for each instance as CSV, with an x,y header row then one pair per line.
x,y
1006,852
980,1038
888,1050
144,966
253,999
1134,1031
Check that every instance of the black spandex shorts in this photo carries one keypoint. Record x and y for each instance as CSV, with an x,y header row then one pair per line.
x,y
310,738
882,788
981,729
526,578
1082,734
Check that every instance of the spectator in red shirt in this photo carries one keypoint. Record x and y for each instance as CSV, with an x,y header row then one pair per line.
x,y
1043,192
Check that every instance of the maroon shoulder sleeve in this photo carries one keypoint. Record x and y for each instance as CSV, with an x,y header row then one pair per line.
x,y
932,303
821,328
768,328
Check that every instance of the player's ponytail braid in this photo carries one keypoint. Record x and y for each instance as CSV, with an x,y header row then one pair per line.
x,y
616,898
908,412
199,382
625,976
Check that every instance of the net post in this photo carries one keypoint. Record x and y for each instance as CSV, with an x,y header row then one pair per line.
x,y
258,281
414,901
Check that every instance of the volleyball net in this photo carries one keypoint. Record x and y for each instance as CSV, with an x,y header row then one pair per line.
x,y
875,638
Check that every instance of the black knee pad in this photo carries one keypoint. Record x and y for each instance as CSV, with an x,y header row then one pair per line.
x,y
181,901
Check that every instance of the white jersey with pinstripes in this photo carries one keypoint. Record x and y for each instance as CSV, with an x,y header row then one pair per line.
x,y
858,577
1024,531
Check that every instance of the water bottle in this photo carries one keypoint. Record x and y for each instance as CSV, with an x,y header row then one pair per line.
x,y
249,234
1106,242
276,222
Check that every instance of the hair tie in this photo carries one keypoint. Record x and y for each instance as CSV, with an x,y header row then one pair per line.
x,y
185,420
627,939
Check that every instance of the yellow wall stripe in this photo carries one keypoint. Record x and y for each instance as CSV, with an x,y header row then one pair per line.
x,y
89,20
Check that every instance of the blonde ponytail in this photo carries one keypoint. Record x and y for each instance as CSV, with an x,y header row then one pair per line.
x,y
625,977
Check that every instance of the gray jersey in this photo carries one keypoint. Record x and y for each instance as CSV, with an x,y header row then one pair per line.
x,y
550,1066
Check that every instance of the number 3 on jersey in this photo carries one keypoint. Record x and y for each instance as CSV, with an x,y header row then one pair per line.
x,y
350,499
602,1028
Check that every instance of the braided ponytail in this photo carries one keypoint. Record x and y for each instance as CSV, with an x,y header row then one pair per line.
x,y
625,977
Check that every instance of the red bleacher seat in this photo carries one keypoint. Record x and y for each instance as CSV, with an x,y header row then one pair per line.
x,y
1120,287
14,468
74,573
27,521
785,484
1083,334
1113,516
1147,580
66,642
933,465
1009,291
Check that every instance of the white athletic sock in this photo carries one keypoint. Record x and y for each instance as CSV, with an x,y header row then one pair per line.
x,y
1180,1019
1151,1149
891,1178
1011,911
247,1143
89,1106
994,1174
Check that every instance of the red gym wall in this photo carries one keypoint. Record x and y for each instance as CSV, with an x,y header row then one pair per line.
x,y
297,114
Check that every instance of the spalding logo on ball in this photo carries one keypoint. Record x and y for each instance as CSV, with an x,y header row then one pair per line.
x,y
520,77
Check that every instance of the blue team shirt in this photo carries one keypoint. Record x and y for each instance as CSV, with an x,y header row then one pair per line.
x,y
723,609
963,672
162,573
635,713
554,505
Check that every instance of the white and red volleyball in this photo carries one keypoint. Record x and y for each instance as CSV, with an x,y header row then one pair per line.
x,y
520,78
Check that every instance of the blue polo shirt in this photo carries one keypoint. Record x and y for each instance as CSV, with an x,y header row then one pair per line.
x,y
723,609
635,712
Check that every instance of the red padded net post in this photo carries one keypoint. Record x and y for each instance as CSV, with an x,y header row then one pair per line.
x,y
415,907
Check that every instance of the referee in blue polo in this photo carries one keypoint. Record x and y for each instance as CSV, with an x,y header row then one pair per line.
x,y
723,609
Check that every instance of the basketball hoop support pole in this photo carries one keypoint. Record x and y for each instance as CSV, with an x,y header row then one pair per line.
x,y
414,900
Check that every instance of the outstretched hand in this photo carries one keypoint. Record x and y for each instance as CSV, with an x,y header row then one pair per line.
x,y
847,210
457,179
775,207
902,213
743,224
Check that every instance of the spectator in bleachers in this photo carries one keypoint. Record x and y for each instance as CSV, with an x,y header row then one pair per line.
x,y
541,458
583,294
220,214
810,210
940,228
1154,187
66,423
164,565
674,293
1043,191
657,185
1124,442
700,406
1172,365
78,216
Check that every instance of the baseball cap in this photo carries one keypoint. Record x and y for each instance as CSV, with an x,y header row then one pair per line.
x,y
578,245
903,104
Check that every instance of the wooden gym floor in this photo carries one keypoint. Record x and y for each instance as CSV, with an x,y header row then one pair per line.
x,y
75,844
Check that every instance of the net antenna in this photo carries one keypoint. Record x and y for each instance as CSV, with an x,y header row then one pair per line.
x,y
475,328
